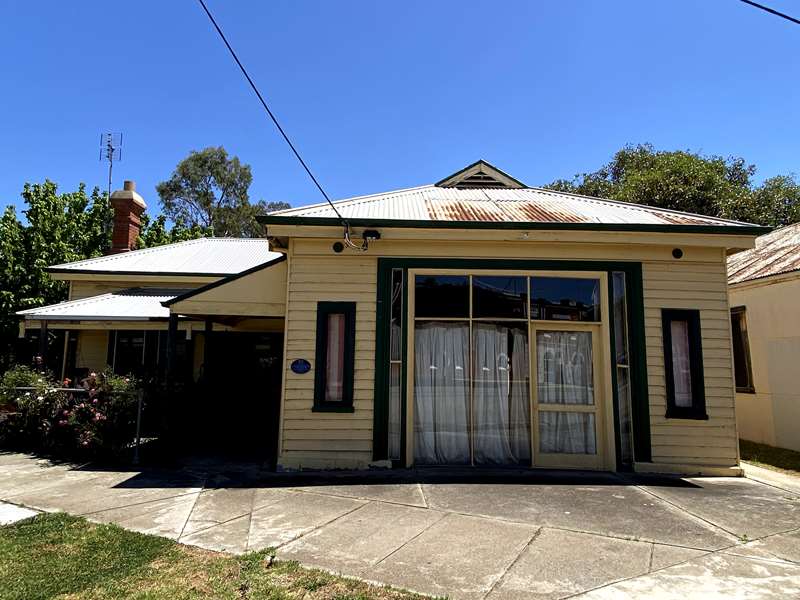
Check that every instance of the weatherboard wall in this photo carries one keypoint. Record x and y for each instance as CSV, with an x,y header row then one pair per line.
x,y
315,273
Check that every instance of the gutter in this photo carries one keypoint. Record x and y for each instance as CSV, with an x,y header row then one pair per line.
x,y
755,230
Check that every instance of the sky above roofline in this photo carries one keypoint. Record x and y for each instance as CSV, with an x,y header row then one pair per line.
x,y
376,97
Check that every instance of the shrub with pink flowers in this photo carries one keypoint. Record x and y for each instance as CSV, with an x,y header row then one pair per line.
x,y
95,417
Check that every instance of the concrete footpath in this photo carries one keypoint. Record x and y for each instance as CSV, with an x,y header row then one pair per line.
x,y
520,535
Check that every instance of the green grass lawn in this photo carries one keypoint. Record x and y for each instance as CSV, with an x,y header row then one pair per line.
x,y
777,459
56,555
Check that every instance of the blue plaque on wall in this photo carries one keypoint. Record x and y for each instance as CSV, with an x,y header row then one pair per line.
x,y
300,366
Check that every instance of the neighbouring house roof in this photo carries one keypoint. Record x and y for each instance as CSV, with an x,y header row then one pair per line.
x,y
481,195
133,304
204,256
774,254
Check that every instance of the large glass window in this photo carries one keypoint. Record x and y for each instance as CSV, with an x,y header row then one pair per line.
x,y
499,297
565,299
471,368
471,371
683,364
741,351
441,296
333,381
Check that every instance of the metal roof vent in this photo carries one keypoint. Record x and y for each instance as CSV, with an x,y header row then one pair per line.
x,y
480,174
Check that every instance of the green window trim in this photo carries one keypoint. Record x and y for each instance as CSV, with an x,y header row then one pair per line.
x,y
742,341
698,408
324,309
640,408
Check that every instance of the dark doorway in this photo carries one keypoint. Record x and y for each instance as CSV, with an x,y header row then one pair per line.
x,y
240,389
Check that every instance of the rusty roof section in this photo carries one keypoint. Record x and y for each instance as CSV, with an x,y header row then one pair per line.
x,y
499,205
774,254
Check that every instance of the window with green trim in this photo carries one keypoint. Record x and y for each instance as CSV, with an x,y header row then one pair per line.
x,y
335,356
683,364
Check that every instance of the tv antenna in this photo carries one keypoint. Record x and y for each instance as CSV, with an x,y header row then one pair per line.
x,y
110,150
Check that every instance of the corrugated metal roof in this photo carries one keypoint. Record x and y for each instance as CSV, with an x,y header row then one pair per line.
x,y
507,205
134,304
203,256
775,253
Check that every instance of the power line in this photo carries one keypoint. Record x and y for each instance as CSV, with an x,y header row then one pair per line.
x,y
772,11
269,112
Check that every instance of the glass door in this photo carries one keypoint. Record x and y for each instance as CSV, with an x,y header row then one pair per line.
x,y
565,395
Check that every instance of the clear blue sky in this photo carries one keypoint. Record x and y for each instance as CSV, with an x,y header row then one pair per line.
x,y
382,95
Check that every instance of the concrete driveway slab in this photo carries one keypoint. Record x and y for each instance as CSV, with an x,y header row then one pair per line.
x,y
716,576
230,536
293,515
615,509
738,505
360,539
165,517
558,564
469,535
409,494
217,506
459,556
785,546
665,556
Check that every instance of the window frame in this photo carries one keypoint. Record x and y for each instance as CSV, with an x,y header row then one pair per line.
x,y
692,318
348,309
741,313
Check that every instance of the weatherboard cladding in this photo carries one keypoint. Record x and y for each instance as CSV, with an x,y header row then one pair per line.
x,y
203,256
524,205
774,254
136,304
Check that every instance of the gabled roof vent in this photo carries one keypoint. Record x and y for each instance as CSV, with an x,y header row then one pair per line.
x,y
480,174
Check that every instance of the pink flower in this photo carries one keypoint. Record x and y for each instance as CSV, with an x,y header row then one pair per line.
x,y
92,374
94,401
66,413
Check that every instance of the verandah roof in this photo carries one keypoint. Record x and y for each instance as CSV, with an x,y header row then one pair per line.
x,y
133,304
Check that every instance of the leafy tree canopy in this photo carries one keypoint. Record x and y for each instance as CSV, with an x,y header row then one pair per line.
x,y
60,228
691,182
209,189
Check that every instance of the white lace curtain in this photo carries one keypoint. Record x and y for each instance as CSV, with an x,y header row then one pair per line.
x,y
442,394
681,366
565,376
501,400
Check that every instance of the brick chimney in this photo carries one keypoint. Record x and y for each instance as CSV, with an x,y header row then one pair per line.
x,y
128,208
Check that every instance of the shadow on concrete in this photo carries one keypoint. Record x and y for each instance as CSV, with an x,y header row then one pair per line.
x,y
251,475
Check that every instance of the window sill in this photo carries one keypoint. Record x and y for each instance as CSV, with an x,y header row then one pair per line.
x,y
747,390
686,416
332,409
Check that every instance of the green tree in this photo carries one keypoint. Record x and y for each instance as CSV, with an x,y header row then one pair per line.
x,y
60,228
691,182
776,202
209,189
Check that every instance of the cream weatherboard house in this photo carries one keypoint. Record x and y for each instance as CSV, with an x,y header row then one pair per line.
x,y
473,322
764,288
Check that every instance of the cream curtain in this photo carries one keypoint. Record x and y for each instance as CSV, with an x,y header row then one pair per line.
x,y
501,401
565,376
681,366
441,393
